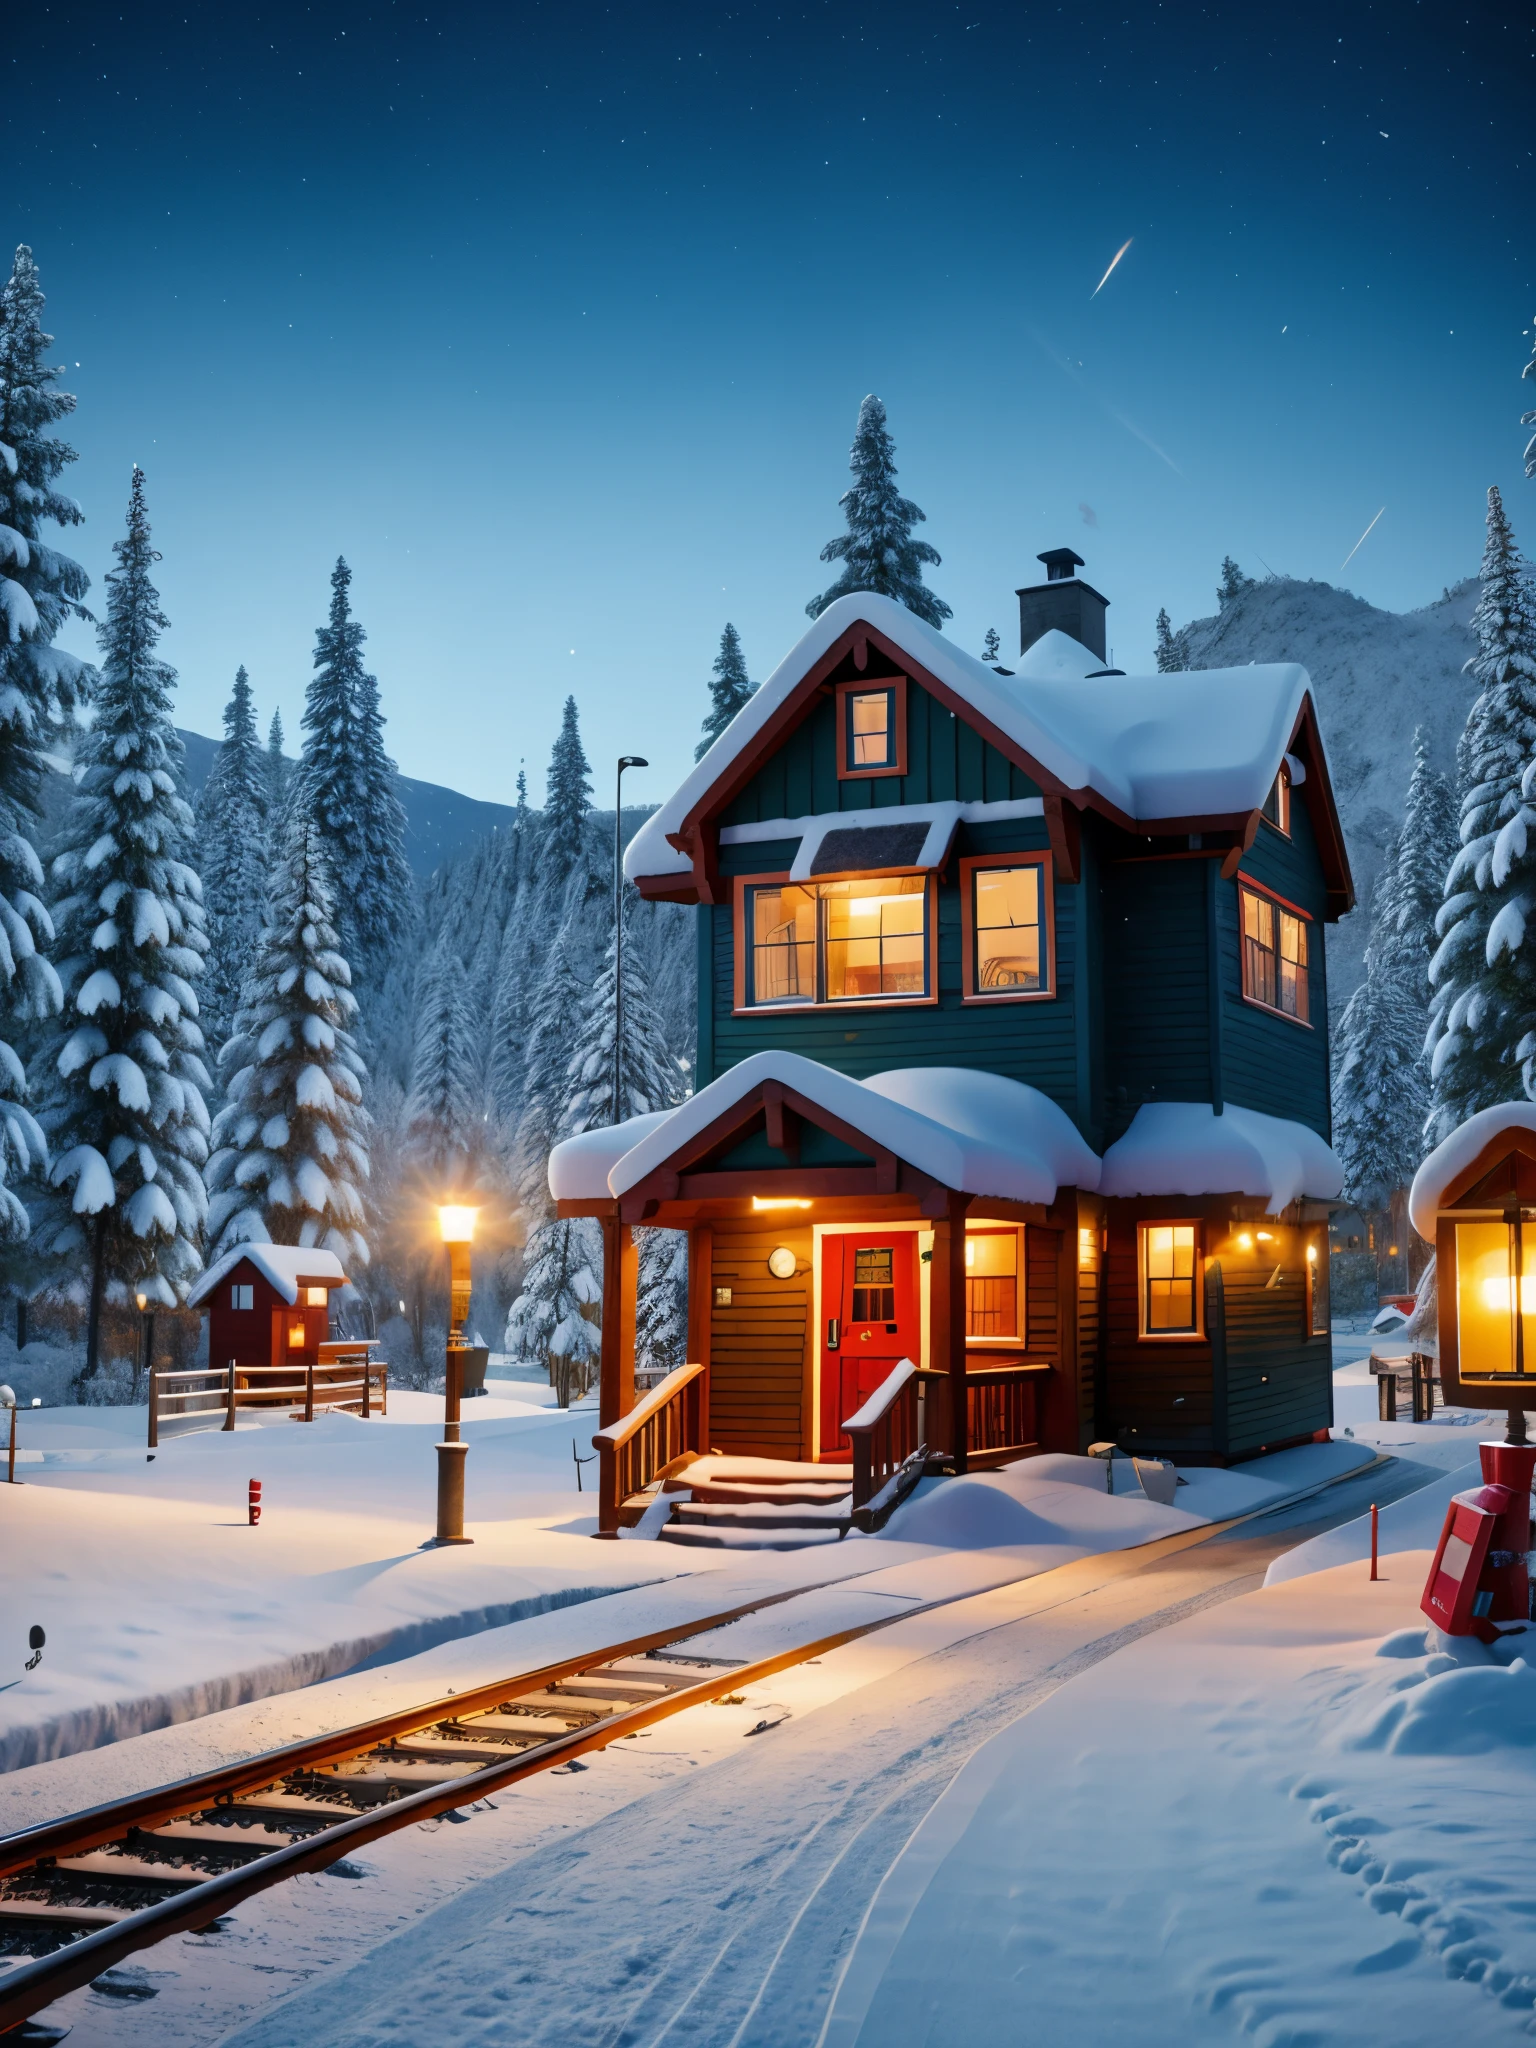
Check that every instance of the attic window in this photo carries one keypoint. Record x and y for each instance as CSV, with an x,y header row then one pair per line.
x,y
242,1297
1276,809
872,728
1275,956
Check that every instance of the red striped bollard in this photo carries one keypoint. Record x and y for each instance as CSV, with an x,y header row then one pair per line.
x,y
253,1503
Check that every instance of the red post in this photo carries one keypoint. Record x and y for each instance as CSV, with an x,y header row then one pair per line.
x,y
1375,1519
253,1502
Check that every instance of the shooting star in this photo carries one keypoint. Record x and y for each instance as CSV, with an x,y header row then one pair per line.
x,y
1104,280
1359,544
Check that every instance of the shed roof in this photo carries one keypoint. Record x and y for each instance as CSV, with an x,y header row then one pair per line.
x,y
284,1267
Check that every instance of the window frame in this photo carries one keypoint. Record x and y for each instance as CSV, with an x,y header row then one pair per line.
x,y
742,1004
986,1226
847,771
969,865
237,1307
1280,791
1278,903
1314,1257
1196,1335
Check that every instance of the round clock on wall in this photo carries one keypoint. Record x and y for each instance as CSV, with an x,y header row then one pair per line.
x,y
782,1262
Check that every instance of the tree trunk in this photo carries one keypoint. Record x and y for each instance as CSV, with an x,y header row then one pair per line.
x,y
98,1282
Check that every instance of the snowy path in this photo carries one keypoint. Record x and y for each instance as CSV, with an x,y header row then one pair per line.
x,y
706,1904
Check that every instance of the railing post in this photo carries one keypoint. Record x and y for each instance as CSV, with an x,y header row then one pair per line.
x,y
367,1387
154,1409
309,1393
607,1491
229,1398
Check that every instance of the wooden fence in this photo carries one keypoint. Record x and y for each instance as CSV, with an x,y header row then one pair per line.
x,y
211,1396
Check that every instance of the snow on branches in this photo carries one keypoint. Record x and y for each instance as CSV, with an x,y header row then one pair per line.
x,y
878,552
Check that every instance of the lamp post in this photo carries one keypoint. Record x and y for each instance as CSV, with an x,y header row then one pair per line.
x,y
625,761
457,1225
147,1312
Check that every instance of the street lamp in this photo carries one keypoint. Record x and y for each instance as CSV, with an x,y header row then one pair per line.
x,y
146,1310
625,761
457,1225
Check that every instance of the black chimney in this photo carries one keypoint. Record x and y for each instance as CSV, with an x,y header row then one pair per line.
x,y
1063,601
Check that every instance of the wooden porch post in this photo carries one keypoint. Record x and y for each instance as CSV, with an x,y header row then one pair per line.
x,y
946,1318
616,1367
701,1298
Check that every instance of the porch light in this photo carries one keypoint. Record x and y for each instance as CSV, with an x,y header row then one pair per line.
x,y
1311,1254
1245,1242
763,1202
1266,1237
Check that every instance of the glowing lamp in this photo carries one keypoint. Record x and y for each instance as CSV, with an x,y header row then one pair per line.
x,y
457,1224
1311,1254
295,1336
762,1202
143,1302
1246,1242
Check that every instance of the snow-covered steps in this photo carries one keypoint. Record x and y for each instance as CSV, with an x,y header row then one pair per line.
x,y
759,1504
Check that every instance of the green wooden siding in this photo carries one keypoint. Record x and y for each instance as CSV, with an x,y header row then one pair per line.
x,y
1279,1382
1156,1004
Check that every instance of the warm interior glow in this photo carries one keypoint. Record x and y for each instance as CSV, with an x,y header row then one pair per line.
x,y
1266,1237
1246,1242
317,1297
762,1202
456,1224
295,1336
1496,1295
970,1252
1311,1254
142,1300
1085,1249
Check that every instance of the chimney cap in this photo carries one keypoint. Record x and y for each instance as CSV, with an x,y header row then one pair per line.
x,y
1059,563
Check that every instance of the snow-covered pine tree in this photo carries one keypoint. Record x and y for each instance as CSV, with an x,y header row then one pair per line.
x,y
1483,975
551,1319
126,1114
878,552
991,647
350,790
661,1299
729,689
1380,1077
1426,847
444,1129
40,688
567,797
232,835
650,1077
507,1062
292,1136
1170,655
1528,419
280,773
1233,583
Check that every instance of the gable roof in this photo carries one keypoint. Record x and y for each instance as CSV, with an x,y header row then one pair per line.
x,y
1165,750
285,1268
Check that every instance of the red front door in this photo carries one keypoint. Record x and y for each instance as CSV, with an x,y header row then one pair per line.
x,y
869,1310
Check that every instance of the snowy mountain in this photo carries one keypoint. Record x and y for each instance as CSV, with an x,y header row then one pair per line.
x,y
1375,675
439,823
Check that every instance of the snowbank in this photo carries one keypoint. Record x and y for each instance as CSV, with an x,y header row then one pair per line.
x,y
1184,1148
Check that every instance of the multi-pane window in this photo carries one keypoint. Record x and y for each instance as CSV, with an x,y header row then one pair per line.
x,y
869,737
992,1292
864,940
1169,1278
1008,928
874,1285
1274,956
242,1297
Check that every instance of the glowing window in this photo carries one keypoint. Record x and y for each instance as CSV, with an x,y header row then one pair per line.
x,y
992,1291
838,942
1276,808
242,1297
870,737
1169,1297
1008,921
1318,1324
295,1336
1274,956
317,1297
874,1285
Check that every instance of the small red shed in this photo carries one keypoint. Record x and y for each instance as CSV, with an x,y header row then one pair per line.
x,y
268,1304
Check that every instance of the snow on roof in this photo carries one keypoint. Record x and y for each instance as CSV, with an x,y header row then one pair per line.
x,y
1184,1148
285,1267
1453,1155
975,1131
918,835
1203,743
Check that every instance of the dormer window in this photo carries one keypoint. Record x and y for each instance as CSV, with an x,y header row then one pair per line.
x,y
1276,809
864,939
872,728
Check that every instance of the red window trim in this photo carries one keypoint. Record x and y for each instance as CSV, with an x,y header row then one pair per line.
x,y
969,863
867,686
1282,776
1253,1002
1316,1240
740,1007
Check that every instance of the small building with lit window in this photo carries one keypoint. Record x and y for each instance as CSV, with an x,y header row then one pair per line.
x,y
1012,1049
268,1304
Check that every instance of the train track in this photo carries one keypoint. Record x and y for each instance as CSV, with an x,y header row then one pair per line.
x,y
80,1894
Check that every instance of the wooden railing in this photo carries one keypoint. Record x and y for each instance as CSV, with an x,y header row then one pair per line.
x,y
354,1381
1002,1412
661,1434
885,1440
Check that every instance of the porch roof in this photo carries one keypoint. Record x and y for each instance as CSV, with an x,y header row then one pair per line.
x,y
973,1131
1185,1148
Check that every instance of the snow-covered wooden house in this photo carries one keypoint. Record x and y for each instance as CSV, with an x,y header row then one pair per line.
x,y
1012,1054
268,1304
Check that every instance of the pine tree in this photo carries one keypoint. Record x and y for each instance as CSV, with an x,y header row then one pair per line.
x,y
991,647
1381,1079
292,1137
40,688
567,797
878,551
1528,419
514,964
126,1111
1170,650
650,1077
232,843
1426,848
1233,583
279,772
1483,977
444,1129
349,787
661,1299
729,689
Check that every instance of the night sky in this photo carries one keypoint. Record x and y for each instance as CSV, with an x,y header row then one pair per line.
x,y
555,320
